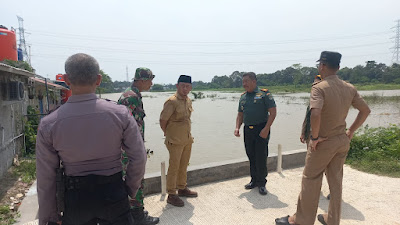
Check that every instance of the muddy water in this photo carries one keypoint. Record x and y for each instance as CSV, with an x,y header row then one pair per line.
x,y
213,123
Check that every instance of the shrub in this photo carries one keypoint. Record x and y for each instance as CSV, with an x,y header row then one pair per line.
x,y
376,150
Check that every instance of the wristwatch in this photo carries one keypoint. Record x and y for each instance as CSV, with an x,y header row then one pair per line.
x,y
313,139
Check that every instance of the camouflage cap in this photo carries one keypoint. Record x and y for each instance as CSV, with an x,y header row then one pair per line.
x,y
143,73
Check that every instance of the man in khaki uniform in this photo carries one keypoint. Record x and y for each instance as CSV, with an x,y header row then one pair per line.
x,y
330,102
175,123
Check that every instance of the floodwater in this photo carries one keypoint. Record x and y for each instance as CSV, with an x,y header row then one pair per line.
x,y
213,123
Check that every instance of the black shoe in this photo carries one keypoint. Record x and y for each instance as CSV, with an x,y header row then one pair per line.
x,y
262,190
142,217
250,185
321,219
282,221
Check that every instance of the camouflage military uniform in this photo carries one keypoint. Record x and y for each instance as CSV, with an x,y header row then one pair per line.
x,y
133,100
306,128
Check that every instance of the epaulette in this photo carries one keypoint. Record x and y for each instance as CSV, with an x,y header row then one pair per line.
x,y
316,82
243,93
264,89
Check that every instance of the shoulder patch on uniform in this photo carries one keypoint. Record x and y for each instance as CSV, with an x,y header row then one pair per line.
x,y
264,89
316,82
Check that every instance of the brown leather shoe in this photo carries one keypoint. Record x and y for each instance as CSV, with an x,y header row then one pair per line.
x,y
175,200
187,193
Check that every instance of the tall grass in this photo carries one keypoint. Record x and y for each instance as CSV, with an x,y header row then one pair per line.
x,y
376,150
307,88
378,99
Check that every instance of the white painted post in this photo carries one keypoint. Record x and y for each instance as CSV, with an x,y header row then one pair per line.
x,y
279,164
163,179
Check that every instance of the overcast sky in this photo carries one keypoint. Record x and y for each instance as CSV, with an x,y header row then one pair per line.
x,y
203,38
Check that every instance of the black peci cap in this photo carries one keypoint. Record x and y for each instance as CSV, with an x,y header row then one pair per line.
x,y
185,79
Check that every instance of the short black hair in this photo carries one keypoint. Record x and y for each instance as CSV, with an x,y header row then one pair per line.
x,y
331,66
251,75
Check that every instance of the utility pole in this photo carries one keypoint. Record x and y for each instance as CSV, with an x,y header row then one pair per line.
x,y
127,75
396,48
22,43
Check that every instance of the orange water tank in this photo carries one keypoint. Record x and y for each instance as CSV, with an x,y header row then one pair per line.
x,y
8,44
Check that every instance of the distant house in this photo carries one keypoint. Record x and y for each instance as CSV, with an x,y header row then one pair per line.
x,y
18,89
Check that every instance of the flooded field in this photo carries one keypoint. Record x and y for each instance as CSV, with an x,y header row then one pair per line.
x,y
213,123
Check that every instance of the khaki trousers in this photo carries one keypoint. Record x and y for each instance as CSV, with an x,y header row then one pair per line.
x,y
179,156
329,156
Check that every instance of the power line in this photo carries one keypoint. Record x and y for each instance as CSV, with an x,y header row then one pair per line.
x,y
396,48
130,40
47,56
230,53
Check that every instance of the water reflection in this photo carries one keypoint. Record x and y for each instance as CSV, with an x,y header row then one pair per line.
x,y
213,123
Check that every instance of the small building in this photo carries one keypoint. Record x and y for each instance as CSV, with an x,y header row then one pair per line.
x,y
19,89
38,93
13,105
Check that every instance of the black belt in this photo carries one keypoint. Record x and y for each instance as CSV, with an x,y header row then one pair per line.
x,y
254,126
90,181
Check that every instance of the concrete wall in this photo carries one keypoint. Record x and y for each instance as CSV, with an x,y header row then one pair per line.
x,y
11,124
226,170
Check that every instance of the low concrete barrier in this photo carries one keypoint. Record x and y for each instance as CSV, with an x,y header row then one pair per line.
x,y
225,170
197,175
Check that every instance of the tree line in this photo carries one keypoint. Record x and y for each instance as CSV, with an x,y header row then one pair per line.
x,y
297,75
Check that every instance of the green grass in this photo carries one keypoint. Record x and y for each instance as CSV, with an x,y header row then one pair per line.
x,y
273,89
371,87
307,88
376,150
26,170
377,99
7,217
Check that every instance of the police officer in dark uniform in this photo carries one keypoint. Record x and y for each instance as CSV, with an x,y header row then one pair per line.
x,y
86,136
257,110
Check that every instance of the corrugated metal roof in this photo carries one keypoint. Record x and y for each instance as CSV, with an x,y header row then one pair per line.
x,y
11,69
49,83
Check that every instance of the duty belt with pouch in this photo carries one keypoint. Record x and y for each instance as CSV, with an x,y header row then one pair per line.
x,y
90,181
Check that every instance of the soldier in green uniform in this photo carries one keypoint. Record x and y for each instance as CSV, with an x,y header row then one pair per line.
x,y
132,98
257,110
306,128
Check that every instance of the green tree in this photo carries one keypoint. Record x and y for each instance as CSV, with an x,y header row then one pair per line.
x,y
106,85
157,87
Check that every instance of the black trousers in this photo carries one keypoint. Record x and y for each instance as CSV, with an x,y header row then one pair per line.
x,y
93,202
257,152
